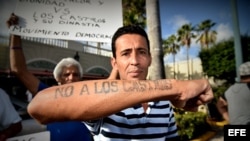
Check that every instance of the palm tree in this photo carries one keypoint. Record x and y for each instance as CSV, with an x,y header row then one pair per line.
x,y
170,45
207,36
134,12
156,70
185,34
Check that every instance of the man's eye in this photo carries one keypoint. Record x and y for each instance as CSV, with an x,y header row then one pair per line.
x,y
143,52
66,74
125,54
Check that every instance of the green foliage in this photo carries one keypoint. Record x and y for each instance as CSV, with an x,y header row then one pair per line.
x,y
170,45
219,91
219,61
134,12
191,124
206,35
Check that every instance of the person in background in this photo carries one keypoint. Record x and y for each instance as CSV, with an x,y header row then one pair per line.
x,y
131,108
28,95
66,71
10,121
234,104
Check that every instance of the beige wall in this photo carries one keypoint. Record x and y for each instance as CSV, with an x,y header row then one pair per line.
x,y
180,68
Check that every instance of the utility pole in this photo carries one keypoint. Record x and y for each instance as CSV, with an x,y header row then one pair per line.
x,y
237,40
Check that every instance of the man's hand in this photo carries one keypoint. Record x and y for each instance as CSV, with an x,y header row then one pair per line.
x,y
13,20
193,93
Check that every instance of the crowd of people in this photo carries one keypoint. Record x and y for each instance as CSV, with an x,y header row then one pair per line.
x,y
126,106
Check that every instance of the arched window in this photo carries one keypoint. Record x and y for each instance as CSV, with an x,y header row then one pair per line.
x,y
41,64
99,71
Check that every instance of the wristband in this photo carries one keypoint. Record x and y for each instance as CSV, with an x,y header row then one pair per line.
x,y
17,47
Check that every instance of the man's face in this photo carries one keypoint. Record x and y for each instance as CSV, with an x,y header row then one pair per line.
x,y
132,57
69,75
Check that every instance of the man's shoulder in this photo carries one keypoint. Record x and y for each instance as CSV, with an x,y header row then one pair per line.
x,y
3,94
237,87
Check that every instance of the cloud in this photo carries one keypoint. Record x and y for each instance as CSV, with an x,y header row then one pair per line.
x,y
224,32
177,21
182,54
174,24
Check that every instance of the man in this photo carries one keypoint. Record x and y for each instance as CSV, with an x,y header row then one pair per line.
x,y
132,108
10,121
234,104
66,71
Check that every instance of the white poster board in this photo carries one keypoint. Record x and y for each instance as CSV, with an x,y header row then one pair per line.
x,y
85,20
41,136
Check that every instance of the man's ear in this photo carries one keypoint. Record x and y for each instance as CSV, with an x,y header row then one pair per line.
x,y
113,62
150,60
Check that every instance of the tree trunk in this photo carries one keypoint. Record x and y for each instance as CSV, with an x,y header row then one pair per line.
x,y
156,70
188,73
174,66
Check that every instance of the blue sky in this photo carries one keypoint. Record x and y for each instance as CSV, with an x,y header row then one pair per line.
x,y
174,13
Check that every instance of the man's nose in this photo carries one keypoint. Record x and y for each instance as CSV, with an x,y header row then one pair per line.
x,y
134,59
71,76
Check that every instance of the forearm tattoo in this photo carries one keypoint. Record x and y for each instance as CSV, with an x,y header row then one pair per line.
x,y
106,87
64,91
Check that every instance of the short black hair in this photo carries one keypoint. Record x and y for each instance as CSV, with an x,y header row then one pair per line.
x,y
129,29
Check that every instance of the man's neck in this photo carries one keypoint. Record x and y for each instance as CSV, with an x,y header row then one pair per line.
x,y
145,107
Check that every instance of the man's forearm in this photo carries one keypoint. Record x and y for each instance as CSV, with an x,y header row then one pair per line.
x,y
17,58
89,100
15,41
18,65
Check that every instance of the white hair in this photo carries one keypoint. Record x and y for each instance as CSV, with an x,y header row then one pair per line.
x,y
66,62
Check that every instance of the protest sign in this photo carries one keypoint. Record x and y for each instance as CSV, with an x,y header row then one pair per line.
x,y
85,20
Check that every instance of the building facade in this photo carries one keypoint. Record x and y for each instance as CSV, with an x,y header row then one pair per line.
x,y
41,57
43,54
179,69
